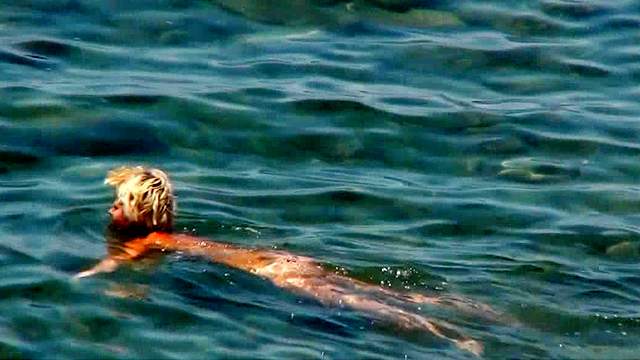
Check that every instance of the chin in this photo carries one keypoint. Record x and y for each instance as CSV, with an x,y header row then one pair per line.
x,y
120,223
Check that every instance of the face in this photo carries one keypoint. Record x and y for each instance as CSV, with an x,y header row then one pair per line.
x,y
117,214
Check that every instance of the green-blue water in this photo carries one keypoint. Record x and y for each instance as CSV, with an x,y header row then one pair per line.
x,y
483,148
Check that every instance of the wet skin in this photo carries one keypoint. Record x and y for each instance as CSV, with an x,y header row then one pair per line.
x,y
301,275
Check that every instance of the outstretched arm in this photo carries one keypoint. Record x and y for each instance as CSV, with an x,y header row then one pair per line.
x,y
107,265
245,259
130,250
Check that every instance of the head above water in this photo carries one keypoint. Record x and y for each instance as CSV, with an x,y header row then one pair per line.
x,y
144,198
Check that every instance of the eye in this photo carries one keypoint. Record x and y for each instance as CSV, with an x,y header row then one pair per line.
x,y
130,197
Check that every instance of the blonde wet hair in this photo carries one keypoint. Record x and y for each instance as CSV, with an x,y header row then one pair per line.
x,y
146,196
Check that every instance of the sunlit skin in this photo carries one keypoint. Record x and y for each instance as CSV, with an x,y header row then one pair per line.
x,y
301,275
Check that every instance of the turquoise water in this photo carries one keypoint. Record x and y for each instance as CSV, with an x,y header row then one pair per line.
x,y
482,148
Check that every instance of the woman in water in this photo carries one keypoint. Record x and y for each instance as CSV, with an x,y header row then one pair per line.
x,y
143,213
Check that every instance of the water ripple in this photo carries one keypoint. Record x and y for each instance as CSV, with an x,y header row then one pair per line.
x,y
486,150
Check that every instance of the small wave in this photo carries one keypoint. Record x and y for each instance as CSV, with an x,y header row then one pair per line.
x,y
10,155
26,59
538,170
46,47
574,10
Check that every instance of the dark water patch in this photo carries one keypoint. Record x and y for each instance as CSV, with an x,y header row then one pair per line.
x,y
606,298
488,217
330,106
402,6
596,328
20,92
105,138
31,328
543,270
318,324
627,168
630,280
334,13
358,27
419,18
590,237
339,202
452,228
348,197
94,327
264,93
525,57
274,12
332,146
553,143
587,68
466,121
18,184
574,10
613,202
133,99
171,28
523,23
10,256
283,70
335,243
203,121
15,156
544,120
468,62
68,262
173,318
17,194
30,60
354,114
37,290
552,320
621,22
46,47
51,6
8,351
30,110
530,85
502,145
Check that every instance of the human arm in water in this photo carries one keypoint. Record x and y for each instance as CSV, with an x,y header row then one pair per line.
x,y
304,276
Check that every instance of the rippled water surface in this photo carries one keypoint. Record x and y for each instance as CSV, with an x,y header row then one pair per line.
x,y
481,148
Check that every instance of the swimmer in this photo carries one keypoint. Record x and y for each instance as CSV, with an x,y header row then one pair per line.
x,y
143,214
